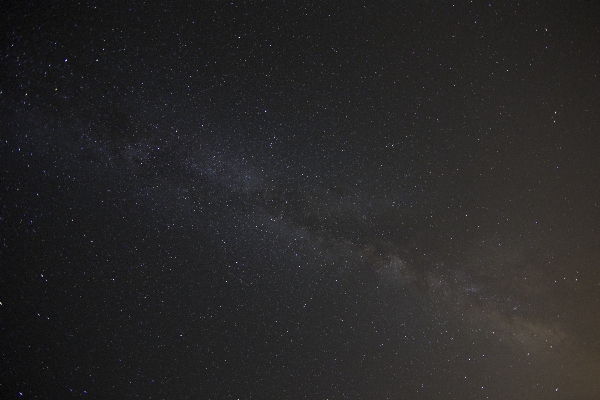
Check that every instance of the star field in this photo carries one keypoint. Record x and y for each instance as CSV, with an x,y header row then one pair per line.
x,y
300,200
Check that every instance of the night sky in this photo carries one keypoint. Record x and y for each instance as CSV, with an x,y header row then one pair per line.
x,y
300,200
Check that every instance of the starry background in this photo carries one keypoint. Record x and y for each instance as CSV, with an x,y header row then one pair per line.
x,y
301,200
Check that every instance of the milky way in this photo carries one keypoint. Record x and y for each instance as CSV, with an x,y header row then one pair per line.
x,y
250,201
